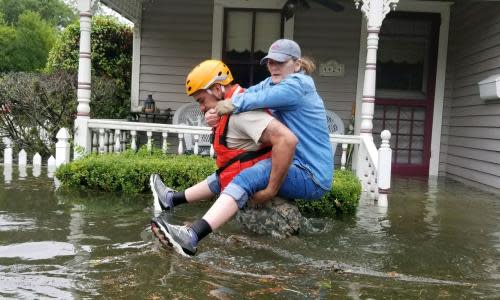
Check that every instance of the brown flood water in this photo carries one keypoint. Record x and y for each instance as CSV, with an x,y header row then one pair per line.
x,y
435,240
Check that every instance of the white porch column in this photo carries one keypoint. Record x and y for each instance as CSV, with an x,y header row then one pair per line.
x,y
375,12
82,132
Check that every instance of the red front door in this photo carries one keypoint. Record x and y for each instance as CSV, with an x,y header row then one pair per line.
x,y
406,77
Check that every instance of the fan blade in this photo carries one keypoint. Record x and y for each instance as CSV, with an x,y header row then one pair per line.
x,y
333,5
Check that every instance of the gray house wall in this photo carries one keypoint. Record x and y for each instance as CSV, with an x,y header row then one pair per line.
x,y
324,35
471,127
176,35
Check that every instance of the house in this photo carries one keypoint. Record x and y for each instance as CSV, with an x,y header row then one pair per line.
x,y
413,71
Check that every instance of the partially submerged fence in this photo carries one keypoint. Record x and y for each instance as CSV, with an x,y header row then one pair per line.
x,y
372,165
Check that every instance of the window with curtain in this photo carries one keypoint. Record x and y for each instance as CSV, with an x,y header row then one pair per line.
x,y
248,33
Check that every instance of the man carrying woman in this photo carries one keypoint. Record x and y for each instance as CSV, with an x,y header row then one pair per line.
x,y
291,97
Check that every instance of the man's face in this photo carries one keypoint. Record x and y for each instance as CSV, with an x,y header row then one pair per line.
x,y
205,100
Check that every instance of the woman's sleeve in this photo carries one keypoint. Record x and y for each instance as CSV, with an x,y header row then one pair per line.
x,y
284,96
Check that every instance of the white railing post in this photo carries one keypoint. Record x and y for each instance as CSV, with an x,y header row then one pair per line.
x,y
82,132
196,148
37,165
7,152
164,145
384,168
37,159
180,149
102,146
95,143
63,147
150,140
22,158
133,143
343,159
51,166
375,12
118,145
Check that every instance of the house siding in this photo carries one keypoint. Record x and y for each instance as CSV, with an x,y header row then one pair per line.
x,y
471,126
175,36
325,35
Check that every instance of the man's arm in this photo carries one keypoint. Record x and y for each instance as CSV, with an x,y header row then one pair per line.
x,y
283,143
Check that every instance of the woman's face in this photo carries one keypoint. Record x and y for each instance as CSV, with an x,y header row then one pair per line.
x,y
280,70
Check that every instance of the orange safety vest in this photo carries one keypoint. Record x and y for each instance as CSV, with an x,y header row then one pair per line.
x,y
232,161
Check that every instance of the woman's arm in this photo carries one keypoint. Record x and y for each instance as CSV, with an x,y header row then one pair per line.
x,y
283,96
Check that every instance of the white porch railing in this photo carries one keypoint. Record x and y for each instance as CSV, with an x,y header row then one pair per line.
x,y
373,172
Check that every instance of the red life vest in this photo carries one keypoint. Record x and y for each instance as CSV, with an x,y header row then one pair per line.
x,y
232,161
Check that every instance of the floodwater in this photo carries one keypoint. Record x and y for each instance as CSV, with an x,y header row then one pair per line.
x,y
437,239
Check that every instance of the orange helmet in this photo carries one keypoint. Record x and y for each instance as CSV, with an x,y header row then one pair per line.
x,y
206,74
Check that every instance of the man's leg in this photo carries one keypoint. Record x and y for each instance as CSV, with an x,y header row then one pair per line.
x,y
166,198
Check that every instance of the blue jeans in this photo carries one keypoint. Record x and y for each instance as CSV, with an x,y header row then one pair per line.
x,y
298,184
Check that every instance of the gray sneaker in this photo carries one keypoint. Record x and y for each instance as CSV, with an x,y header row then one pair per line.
x,y
162,194
182,238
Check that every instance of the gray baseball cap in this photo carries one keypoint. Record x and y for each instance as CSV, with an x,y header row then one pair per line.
x,y
282,50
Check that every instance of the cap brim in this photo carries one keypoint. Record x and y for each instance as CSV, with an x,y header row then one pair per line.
x,y
280,57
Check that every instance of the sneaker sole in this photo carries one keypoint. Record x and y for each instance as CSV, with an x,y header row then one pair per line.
x,y
177,247
156,202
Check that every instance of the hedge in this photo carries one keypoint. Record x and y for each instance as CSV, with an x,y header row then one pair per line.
x,y
129,172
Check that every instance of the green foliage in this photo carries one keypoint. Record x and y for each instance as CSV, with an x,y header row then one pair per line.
x,y
37,106
55,12
25,47
129,172
343,198
111,64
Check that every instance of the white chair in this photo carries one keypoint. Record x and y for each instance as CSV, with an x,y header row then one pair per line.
x,y
335,126
190,114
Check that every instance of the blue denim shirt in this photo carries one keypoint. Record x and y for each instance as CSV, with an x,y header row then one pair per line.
x,y
295,102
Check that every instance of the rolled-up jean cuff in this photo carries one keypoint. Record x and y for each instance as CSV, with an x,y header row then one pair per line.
x,y
238,194
213,183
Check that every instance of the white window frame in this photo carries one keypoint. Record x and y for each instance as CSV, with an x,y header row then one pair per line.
x,y
218,19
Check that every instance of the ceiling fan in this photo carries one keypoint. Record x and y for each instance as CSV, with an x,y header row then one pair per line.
x,y
291,6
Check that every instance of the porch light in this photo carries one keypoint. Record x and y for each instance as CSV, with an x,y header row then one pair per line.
x,y
149,104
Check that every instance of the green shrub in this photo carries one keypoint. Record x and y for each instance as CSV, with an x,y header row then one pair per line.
x,y
343,198
129,172
111,57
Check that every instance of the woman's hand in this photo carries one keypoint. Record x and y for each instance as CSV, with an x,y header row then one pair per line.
x,y
224,107
262,196
212,118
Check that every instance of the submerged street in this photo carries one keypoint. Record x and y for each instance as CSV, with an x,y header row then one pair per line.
x,y
437,239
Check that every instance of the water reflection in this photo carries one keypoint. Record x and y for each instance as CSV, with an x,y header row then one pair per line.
x,y
51,169
7,173
437,239
37,250
22,172
37,170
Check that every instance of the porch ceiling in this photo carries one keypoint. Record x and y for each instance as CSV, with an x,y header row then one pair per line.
x,y
130,9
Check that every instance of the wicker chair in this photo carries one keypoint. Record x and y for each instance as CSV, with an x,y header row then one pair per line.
x,y
190,114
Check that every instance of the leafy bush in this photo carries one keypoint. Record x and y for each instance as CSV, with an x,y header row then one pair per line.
x,y
343,198
34,107
111,57
129,172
